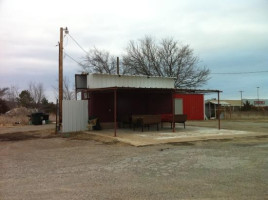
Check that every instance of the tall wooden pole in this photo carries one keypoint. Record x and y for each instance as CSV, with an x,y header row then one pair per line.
x,y
241,103
115,112
60,76
173,111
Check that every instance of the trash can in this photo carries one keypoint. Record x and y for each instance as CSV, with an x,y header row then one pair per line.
x,y
37,118
46,117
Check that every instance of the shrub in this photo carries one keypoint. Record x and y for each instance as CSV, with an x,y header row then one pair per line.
x,y
3,106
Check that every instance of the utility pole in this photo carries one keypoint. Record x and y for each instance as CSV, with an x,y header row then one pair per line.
x,y
117,65
61,73
258,97
241,92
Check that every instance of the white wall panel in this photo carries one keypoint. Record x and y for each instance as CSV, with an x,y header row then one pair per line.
x,y
74,115
107,80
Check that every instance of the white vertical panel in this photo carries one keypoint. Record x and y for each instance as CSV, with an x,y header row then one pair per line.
x,y
74,115
178,106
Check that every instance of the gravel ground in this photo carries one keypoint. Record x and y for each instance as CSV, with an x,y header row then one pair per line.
x,y
68,168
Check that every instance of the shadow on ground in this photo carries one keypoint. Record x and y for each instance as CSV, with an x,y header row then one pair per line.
x,y
20,136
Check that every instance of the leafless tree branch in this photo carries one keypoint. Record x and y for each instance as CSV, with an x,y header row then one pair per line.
x,y
166,58
37,92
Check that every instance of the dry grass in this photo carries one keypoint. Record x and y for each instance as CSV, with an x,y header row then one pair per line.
x,y
11,120
245,115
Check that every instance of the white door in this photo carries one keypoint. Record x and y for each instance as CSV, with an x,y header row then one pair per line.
x,y
178,106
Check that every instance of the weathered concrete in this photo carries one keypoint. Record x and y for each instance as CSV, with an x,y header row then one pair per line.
x,y
165,135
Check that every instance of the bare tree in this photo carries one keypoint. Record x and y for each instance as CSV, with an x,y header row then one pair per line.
x,y
68,93
13,93
166,58
37,92
142,58
3,92
68,90
12,96
180,62
99,61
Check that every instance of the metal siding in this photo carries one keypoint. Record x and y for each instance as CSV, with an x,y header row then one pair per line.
x,y
105,80
81,81
74,115
193,105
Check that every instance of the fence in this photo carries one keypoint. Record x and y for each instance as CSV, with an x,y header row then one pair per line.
x,y
245,115
74,115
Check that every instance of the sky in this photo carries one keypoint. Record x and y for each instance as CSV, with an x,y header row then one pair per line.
x,y
228,37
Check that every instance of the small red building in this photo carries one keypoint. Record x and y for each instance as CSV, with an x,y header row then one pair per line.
x,y
111,97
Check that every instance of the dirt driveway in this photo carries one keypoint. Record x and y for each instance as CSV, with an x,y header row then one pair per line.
x,y
48,167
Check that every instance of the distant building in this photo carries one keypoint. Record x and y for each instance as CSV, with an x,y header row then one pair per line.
x,y
235,105
257,102
211,107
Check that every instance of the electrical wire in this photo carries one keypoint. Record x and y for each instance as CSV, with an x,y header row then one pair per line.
x,y
77,43
233,73
73,59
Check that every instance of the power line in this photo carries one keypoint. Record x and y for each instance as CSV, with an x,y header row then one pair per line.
x,y
73,59
77,43
256,72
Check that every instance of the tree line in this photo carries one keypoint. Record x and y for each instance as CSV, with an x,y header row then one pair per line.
x,y
33,97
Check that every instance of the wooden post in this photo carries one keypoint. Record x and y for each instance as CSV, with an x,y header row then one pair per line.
x,y
57,128
117,65
60,76
115,112
173,111
219,114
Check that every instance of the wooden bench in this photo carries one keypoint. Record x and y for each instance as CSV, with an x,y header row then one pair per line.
x,y
145,120
177,119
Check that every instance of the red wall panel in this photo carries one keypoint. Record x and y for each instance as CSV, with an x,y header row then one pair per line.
x,y
193,105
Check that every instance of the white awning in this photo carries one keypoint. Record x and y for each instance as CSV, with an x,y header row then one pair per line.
x,y
108,80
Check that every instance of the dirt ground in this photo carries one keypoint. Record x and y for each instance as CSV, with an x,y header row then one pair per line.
x,y
36,164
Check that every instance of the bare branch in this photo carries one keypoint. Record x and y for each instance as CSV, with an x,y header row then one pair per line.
x,y
167,58
100,62
37,92
146,56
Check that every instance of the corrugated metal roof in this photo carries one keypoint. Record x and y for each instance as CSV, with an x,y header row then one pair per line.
x,y
223,103
108,80
234,102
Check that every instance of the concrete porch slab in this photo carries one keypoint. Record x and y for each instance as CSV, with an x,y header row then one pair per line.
x,y
165,135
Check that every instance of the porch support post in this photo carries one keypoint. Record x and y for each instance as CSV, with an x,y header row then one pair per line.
x,y
219,114
173,111
115,112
